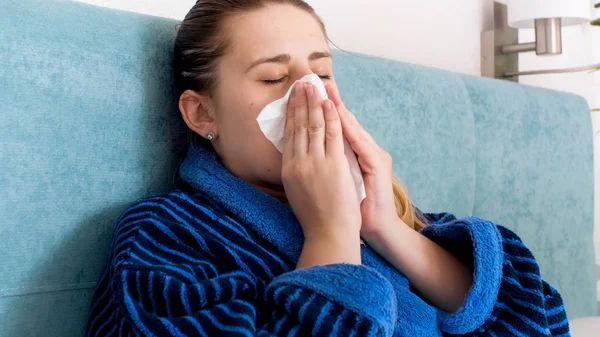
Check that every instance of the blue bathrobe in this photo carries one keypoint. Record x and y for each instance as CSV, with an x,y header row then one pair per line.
x,y
216,257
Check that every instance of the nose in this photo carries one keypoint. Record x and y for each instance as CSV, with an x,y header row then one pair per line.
x,y
300,72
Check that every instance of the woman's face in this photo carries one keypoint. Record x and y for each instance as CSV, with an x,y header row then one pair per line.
x,y
269,50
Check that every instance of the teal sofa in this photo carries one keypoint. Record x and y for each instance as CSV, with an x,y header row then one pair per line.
x,y
89,123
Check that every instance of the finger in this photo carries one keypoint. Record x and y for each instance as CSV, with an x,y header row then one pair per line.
x,y
334,95
349,121
288,133
345,114
300,121
349,116
334,138
316,121
355,134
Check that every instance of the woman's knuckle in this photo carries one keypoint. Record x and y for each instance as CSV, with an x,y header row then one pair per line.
x,y
291,112
315,128
288,135
351,121
387,157
299,129
331,118
314,104
332,134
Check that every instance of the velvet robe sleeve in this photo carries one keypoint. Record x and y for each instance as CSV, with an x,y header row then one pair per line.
x,y
508,296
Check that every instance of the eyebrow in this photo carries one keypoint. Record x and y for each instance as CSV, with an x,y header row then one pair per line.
x,y
286,58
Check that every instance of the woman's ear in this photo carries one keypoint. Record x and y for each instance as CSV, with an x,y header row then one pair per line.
x,y
197,112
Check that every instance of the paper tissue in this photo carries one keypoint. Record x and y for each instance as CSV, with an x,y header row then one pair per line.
x,y
272,123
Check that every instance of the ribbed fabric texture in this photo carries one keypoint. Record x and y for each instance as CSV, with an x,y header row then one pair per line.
x,y
217,258
513,300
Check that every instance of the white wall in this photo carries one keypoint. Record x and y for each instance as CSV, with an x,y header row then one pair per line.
x,y
175,9
441,34
444,34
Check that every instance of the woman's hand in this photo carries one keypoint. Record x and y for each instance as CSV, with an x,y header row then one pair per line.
x,y
317,180
439,276
378,209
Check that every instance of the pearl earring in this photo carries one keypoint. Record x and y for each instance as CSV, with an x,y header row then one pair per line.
x,y
211,136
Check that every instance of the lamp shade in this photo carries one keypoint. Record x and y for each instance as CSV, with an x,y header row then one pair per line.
x,y
522,13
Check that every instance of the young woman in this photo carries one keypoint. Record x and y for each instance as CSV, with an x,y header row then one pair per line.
x,y
259,243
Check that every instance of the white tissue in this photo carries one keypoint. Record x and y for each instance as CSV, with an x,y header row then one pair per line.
x,y
272,123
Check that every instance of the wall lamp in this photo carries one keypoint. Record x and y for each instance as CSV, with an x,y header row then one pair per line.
x,y
500,47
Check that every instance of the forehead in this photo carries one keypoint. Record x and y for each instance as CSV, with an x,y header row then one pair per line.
x,y
273,30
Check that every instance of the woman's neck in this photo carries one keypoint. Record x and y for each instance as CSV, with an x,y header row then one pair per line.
x,y
274,190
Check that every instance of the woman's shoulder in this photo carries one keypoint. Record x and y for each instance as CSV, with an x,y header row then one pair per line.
x,y
175,206
172,224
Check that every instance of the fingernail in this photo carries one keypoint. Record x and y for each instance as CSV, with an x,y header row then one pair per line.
x,y
292,100
299,88
310,90
328,105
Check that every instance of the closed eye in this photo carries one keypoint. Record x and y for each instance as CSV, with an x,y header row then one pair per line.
x,y
274,81
280,80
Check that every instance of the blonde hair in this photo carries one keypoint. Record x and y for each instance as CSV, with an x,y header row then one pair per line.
x,y
199,45
404,208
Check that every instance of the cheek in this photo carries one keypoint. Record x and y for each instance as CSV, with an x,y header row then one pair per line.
x,y
237,115
238,125
244,143
255,106
254,109
251,103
